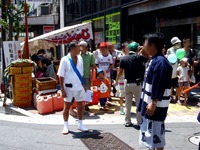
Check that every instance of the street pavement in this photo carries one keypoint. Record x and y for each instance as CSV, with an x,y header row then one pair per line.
x,y
23,136
28,130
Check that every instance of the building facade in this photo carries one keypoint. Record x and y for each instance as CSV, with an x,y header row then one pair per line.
x,y
105,15
179,18
119,20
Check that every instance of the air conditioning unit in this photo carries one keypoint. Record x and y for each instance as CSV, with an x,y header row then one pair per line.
x,y
43,10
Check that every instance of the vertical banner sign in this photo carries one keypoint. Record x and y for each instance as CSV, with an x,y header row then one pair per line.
x,y
12,51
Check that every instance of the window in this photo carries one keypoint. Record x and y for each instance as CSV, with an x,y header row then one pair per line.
x,y
99,29
73,8
112,3
98,5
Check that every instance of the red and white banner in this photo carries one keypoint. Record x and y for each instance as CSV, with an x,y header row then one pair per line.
x,y
67,34
47,29
64,35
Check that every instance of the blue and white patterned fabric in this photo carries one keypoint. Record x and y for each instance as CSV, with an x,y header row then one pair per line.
x,y
157,85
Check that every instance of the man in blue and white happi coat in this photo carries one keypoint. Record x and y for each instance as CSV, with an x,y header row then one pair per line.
x,y
155,95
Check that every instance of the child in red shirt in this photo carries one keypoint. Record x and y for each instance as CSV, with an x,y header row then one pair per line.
x,y
103,87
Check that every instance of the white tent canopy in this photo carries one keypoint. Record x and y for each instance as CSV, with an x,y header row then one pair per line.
x,y
61,36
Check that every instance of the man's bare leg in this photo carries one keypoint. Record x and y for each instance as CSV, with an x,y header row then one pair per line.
x,y
80,110
80,117
65,117
72,112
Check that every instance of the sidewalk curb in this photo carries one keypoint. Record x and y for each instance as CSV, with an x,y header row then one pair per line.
x,y
9,109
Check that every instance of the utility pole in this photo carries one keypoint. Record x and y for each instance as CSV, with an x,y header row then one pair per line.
x,y
3,33
62,24
26,27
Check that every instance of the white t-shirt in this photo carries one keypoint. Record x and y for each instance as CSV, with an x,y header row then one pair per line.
x,y
66,71
104,62
96,54
183,73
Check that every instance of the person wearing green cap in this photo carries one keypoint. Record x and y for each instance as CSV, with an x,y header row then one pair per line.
x,y
131,66
133,46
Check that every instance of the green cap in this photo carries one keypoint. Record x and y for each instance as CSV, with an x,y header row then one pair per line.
x,y
133,46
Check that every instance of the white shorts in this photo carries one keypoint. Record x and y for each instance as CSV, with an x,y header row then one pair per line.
x,y
78,95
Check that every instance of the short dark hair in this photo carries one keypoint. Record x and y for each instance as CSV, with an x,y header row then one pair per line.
x,y
185,39
41,51
123,45
72,45
157,39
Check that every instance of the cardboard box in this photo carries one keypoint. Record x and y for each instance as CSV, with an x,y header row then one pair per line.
x,y
23,104
27,70
56,66
46,84
22,91
19,78
24,64
15,70
22,84
22,97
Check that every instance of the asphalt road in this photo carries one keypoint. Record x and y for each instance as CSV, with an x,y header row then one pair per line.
x,y
26,136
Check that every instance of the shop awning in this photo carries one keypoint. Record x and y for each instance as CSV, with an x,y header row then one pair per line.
x,y
61,36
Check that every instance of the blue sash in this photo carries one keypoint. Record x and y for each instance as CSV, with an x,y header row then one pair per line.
x,y
75,70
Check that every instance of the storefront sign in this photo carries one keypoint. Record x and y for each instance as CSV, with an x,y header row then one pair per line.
x,y
47,29
12,51
113,27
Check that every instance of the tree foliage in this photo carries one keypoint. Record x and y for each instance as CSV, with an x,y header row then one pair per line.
x,y
13,16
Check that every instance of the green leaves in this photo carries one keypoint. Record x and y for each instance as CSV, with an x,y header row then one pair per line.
x,y
13,16
4,24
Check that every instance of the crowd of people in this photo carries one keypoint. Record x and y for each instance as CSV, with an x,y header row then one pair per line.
x,y
185,71
142,72
45,67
